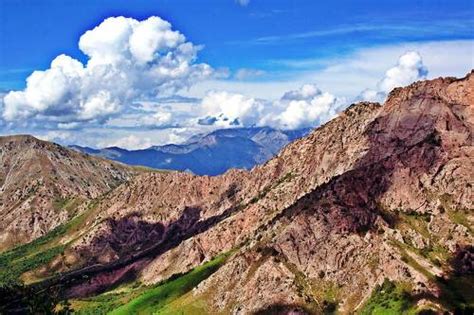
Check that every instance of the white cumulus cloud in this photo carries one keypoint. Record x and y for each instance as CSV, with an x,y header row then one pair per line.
x,y
226,109
410,68
307,106
128,59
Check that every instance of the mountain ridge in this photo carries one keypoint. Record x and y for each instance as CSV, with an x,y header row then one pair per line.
x,y
376,202
207,154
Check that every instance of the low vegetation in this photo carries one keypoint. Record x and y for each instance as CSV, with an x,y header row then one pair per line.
x,y
455,291
11,270
147,300
158,296
15,262
388,298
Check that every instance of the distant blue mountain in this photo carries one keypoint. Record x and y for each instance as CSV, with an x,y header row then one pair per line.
x,y
207,154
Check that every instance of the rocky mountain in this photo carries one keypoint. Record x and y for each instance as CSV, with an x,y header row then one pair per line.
x,y
371,213
207,154
44,184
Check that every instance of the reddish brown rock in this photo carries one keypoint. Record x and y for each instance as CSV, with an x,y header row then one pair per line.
x,y
378,192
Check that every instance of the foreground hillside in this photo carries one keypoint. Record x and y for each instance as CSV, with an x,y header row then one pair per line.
x,y
372,212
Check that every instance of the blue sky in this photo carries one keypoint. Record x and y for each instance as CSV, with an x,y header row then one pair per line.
x,y
234,36
257,49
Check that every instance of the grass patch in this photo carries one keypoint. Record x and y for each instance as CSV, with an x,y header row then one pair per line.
x,y
412,262
186,305
322,297
15,262
67,204
31,248
11,270
460,217
433,251
160,295
26,257
417,221
60,203
326,295
456,291
388,298
101,304
436,254
108,301
147,169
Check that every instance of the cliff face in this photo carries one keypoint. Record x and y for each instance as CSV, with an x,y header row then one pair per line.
x,y
44,185
379,192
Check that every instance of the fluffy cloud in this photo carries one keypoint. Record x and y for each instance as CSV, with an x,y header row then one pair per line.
x,y
410,68
307,106
224,109
347,74
128,59
134,68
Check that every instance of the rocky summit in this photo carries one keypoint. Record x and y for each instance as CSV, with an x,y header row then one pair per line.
x,y
371,213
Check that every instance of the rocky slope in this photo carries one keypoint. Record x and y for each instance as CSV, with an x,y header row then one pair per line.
x,y
44,184
377,201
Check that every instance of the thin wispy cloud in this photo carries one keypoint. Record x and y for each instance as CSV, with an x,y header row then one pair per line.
x,y
243,3
17,70
245,73
267,13
458,29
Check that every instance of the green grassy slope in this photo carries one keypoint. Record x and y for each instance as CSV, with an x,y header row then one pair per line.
x,y
157,297
134,298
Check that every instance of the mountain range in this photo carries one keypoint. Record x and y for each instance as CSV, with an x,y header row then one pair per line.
x,y
207,154
370,213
